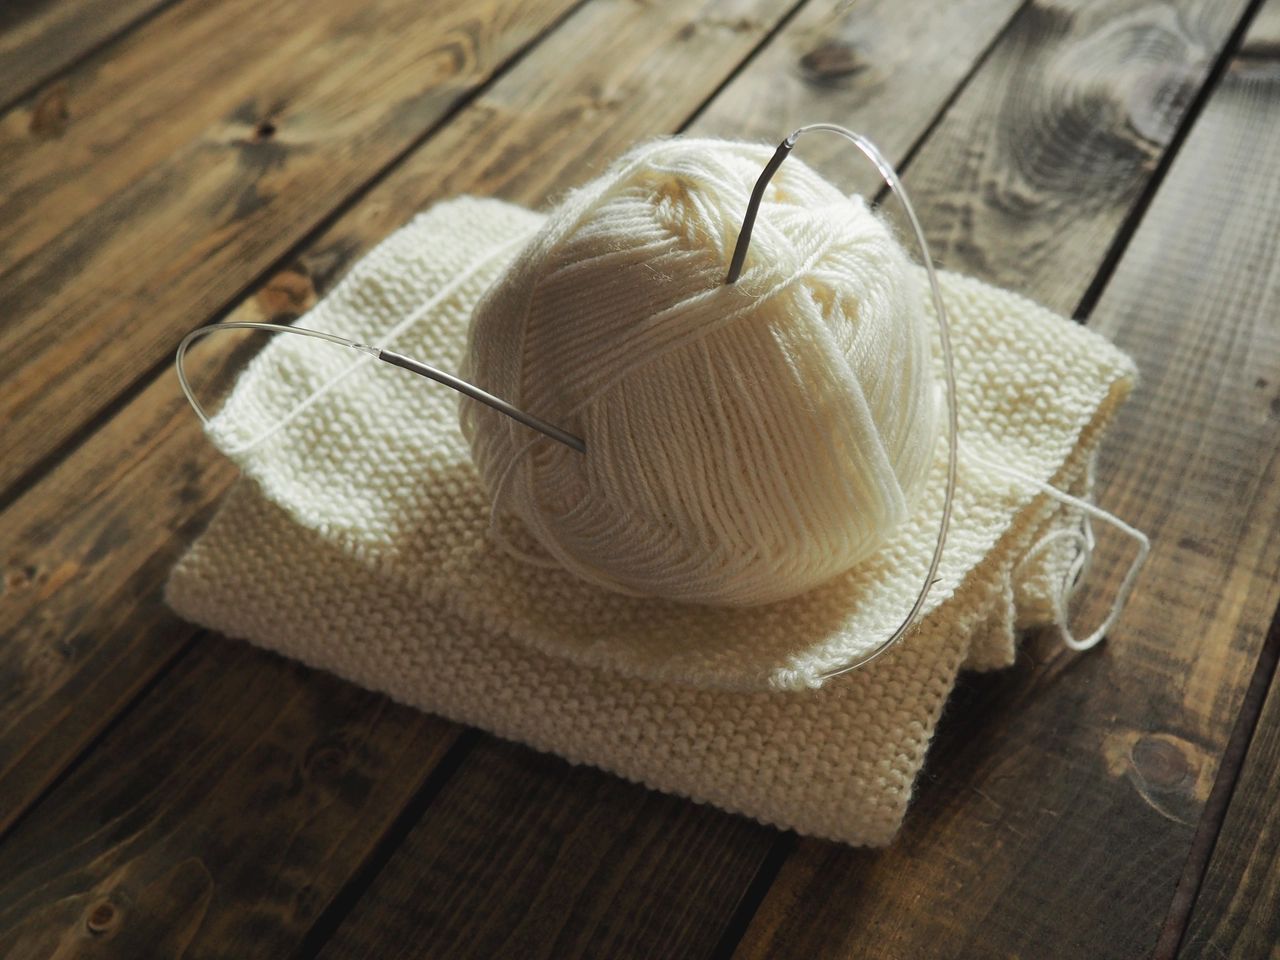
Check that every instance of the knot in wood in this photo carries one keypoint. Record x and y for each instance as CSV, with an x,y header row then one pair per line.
x,y
1161,764
102,919
49,113
831,63
20,577
327,761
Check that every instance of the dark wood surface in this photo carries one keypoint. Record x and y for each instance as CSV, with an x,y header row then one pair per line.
x,y
41,38
168,793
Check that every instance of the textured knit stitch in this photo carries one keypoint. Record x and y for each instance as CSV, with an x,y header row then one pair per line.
x,y
837,763
332,556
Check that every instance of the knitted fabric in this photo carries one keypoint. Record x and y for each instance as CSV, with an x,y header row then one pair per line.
x,y
361,548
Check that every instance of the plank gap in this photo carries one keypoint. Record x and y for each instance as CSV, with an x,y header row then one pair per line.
x,y
754,895
28,479
340,907
765,41
945,107
1122,237
91,745
52,76
1209,829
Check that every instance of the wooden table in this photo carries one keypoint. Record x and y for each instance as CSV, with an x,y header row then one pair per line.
x,y
165,163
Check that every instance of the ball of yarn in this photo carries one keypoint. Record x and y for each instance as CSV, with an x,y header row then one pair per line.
x,y
745,442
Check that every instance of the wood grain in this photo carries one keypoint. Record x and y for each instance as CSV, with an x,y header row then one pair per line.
x,y
1010,818
1036,166
1237,912
38,38
1061,797
197,152
523,855
886,68
218,821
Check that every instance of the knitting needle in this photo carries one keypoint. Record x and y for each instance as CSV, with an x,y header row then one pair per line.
x,y
387,356
869,150
872,153
475,393
753,206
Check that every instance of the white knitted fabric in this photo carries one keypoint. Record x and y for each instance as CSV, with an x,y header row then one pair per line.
x,y
361,549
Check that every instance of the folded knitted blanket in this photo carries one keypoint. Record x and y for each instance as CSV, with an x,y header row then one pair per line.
x,y
360,546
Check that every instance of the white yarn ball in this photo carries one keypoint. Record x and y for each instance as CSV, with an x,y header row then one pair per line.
x,y
744,443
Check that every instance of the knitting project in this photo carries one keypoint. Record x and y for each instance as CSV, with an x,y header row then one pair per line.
x,y
359,546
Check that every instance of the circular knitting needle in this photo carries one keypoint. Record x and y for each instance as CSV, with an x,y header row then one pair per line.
x,y
753,206
872,153
387,356
475,393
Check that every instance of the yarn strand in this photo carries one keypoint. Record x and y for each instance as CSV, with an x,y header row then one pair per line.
x,y
1080,568
890,177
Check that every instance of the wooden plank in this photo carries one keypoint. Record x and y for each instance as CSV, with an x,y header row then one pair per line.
x,y
198,151
523,855
222,827
113,517
1061,798
39,38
